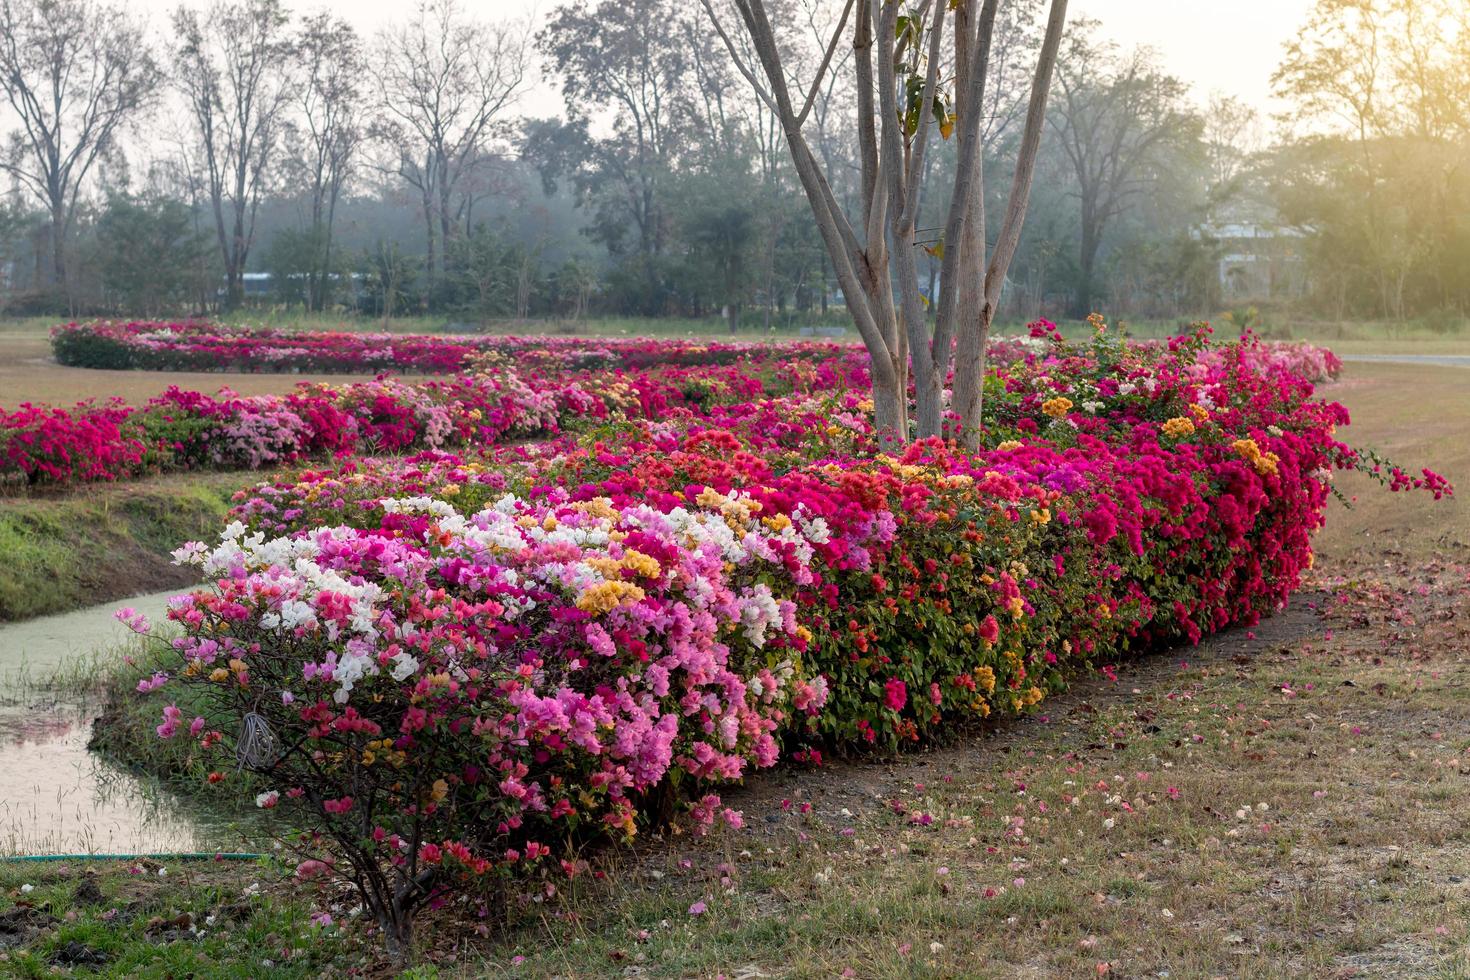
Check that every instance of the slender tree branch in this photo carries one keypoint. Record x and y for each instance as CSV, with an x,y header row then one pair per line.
x,y
1010,230
738,61
811,95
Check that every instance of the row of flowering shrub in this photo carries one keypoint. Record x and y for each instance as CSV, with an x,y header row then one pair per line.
x,y
458,667
1299,359
520,390
200,345
1295,358
181,430
196,345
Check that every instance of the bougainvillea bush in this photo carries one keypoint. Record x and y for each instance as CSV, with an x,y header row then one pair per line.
x,y
184,430
521,389
200,345
454,668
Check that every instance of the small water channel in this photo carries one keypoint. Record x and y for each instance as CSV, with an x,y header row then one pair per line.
x,y
56,797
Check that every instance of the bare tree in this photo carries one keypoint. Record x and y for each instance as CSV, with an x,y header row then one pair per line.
x,y
329,103
901,95
232,65
1386,79
75,73
489,176
1231,135
637,63
445,84
1116,117
1014,41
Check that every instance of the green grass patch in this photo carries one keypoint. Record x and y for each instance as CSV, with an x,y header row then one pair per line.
x,y
105,543
125,732
163,919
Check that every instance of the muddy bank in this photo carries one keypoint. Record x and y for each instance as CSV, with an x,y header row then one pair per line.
x,y
103,543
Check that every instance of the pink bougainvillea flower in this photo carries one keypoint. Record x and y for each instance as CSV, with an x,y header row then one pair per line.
x,y
895,694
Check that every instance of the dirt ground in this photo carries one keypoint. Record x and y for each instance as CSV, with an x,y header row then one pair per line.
x,y
1417,416
29,373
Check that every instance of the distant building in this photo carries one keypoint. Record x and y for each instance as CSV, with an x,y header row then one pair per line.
x,y
257,285
1258,260
260,287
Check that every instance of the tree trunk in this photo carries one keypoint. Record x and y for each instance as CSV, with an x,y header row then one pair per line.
x,y
234,280
324,286
398,939
58,247
446,224
235,292
771,275
390,299
1087,263
890,406
429,240
324,289
969,375
928,380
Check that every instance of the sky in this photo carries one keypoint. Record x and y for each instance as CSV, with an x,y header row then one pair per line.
x,y
1230,48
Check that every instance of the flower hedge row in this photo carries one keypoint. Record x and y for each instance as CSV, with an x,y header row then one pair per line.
x,y
1300,359
196,345
519,389
199,345
182,430
458,667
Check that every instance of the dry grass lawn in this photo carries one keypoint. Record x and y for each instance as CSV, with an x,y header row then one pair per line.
x,y
29,373
1417,416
